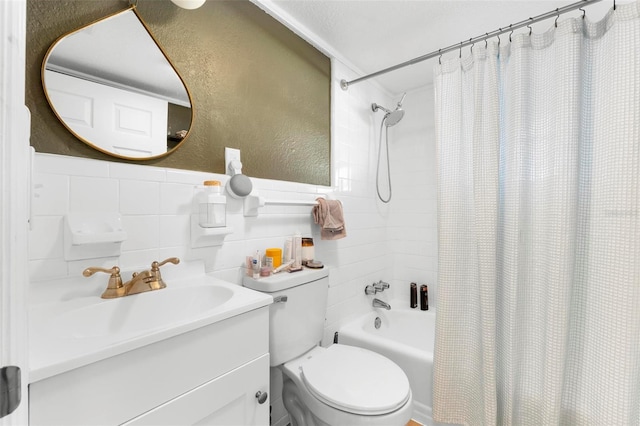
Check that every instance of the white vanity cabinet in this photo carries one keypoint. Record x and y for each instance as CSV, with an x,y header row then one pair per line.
x,y
213,375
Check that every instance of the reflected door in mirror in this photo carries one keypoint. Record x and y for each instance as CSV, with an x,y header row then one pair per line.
x,y
117,121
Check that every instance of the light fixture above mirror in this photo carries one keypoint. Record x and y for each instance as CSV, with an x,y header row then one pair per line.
x,y
113,87
188,4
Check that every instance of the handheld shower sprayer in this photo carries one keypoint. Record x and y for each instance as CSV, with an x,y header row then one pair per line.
x,y
391,118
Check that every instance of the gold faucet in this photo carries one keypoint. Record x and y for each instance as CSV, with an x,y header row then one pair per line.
x,y
140,282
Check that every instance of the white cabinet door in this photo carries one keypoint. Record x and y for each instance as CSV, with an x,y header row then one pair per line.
x,y
225,401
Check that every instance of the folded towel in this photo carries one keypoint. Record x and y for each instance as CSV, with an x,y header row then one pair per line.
x,y
328,214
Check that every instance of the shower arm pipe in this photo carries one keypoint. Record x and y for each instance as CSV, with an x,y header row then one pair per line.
x,y
556,12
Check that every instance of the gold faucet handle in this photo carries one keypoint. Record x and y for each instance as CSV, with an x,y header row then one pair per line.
x,y
155,265
115,281
155,269
115,274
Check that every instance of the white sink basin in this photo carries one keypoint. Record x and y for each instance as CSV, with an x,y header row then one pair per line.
x,y
71,326
139,313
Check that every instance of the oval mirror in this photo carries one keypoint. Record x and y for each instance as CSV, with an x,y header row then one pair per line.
x,y
114,88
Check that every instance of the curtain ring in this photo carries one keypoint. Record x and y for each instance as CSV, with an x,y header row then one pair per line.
x,y
614,4
498,35
472,44
440,57
584,12
557,16
460,55
510,25
529,26
486,43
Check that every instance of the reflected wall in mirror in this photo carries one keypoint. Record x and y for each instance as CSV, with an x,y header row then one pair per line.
x,y
114,88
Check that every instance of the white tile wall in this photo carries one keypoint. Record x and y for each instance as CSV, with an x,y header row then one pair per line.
x,y
412,226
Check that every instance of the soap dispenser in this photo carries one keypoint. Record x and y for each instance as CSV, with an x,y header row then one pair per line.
x,y
212,205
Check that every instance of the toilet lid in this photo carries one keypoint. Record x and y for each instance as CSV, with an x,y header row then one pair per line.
x,y
356,380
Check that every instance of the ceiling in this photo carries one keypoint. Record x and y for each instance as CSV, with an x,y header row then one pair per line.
x,y
370,35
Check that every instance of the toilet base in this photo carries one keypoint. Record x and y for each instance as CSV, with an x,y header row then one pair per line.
x,y
298,413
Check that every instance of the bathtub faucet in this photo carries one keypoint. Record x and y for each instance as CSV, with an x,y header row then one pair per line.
x,y
381,285
376,287
377,303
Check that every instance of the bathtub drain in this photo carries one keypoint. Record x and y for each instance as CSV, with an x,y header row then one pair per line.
x,y
377,322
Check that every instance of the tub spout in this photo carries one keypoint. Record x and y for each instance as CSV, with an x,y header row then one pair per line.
x,y
377,303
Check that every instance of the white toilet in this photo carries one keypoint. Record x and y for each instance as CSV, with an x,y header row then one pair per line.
x,y
335,386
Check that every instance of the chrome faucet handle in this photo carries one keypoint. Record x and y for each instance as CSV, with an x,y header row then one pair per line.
x,y
370,289
115,288
381,285
155,270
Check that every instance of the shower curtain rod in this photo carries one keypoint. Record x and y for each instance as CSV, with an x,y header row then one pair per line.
x,y
556,12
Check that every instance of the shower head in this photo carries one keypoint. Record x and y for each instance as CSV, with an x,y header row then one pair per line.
x,y
391,118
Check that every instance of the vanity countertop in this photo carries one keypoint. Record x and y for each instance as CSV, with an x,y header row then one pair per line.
x,y
71,326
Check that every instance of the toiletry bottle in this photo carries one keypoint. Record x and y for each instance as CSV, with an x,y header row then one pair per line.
x,y
308,251
275,254
288,250
413,290
256,265
212,205
424,298
297,250
249,265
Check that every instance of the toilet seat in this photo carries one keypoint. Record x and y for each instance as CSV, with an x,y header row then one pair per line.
x,y
356,380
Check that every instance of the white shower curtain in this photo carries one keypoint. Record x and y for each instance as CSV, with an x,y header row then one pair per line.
x,y
538,316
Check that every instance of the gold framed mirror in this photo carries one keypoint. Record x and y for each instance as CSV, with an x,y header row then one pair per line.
x,y
114,88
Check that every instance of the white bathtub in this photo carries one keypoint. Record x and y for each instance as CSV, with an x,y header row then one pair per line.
x,y
406,336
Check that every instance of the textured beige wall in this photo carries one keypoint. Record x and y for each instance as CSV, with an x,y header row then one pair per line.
x,y
256,86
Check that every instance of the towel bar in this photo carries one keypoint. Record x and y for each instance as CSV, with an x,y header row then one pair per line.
x,y
253,202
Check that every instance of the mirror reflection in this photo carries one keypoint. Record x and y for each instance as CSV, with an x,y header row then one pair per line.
x,y
113,87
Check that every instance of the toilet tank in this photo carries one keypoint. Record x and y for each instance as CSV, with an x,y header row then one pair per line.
x,y
297,324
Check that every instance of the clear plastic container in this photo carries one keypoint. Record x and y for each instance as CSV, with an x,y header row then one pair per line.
x,y
212,205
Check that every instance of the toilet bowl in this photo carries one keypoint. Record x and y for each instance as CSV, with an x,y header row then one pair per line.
x,y
339,385
345,385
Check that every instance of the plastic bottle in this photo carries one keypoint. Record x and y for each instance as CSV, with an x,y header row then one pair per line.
x,y
257,264
275,254
413,291
212,205
297,250
424,298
